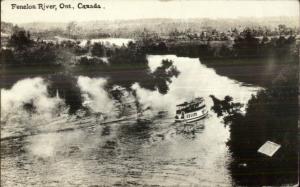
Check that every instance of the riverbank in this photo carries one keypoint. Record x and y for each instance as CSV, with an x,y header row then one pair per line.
x,y
257,71
271,115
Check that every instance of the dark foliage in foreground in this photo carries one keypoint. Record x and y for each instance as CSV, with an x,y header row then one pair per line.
x,y
270,115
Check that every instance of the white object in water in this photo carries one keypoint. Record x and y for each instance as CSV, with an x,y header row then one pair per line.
x,y
191,111
269,148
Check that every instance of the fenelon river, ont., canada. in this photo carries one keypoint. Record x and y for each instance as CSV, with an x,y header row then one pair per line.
x,y
50,147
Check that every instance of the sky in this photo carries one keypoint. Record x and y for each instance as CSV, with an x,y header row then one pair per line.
x,y
138,9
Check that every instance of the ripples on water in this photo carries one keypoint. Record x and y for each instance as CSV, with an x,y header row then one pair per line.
x,y
51,148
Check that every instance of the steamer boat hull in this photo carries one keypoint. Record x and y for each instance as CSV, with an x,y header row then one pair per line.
x,y
191,111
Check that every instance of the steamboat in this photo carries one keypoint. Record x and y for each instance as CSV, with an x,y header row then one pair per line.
x,y
191,111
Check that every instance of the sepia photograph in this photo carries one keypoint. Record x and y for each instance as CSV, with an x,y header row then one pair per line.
x,y
149,93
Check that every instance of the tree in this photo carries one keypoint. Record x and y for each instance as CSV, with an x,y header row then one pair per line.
x,y
98,49
71,28
271,115
246,45
20,39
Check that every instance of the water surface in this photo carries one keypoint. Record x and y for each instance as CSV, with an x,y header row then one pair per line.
x,y
108,41
49,147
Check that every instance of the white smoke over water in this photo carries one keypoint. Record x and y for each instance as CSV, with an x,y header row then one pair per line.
x,y
28,91
94,94
17,121
194,80
50,116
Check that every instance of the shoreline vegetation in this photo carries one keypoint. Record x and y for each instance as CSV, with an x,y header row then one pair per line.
x,y
258,56
235,46
271,115
26,47
248,50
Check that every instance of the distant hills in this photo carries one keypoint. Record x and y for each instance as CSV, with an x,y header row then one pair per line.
x,y
160,26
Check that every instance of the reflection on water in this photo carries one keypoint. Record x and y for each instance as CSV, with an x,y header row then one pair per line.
x,y
109,41
53,148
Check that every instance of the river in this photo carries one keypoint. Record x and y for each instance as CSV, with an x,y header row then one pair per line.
x,y
108,41
49,147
